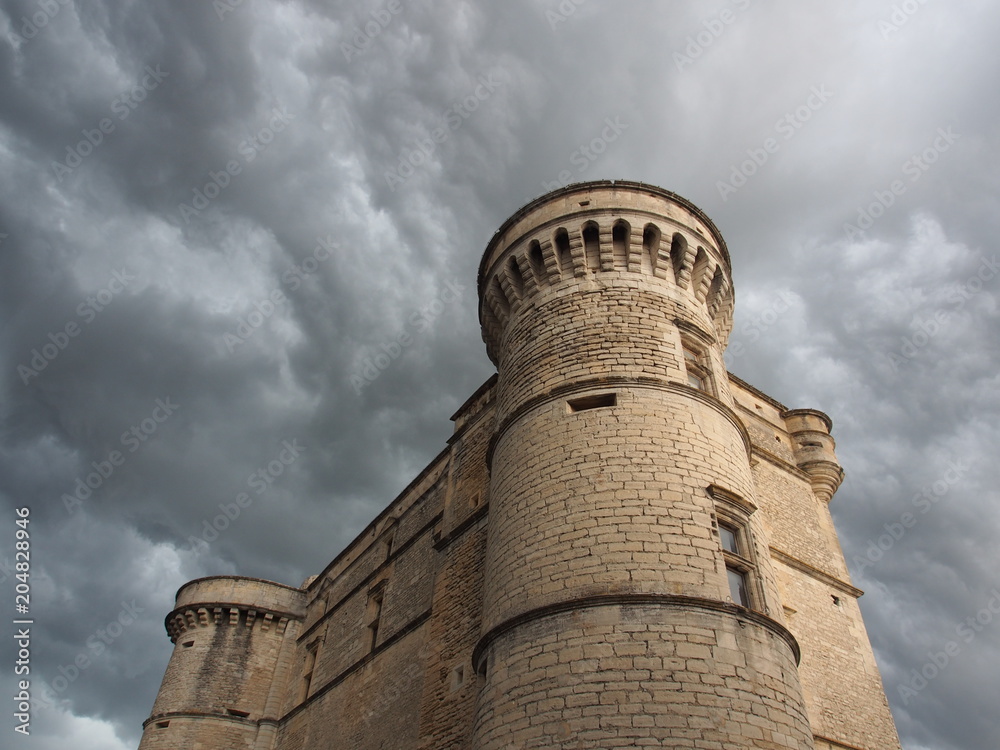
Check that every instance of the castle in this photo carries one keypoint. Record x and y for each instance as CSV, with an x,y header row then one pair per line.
x,y
621,546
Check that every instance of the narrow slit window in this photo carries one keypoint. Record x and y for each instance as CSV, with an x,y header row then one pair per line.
x,y
592,246
651,244
595,401
515,275
563,256
536,261
619,244
311,651
374,616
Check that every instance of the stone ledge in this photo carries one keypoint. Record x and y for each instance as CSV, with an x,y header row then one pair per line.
x,y
618,600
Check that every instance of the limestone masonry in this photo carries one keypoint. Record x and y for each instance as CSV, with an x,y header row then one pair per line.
x,y
621,546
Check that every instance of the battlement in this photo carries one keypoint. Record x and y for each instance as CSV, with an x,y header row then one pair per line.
x,y
606,231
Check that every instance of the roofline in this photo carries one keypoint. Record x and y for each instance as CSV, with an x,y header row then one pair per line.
x,y
577,187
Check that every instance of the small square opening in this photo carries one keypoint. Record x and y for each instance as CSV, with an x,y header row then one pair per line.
x,y
162,724
595,401
457,678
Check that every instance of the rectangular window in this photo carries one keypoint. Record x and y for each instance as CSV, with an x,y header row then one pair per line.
x,y
375,599
729,540
311,650
732,522
696,367
738,586
457,678
592,402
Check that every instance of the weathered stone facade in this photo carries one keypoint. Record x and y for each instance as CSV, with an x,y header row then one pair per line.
x,y
621,546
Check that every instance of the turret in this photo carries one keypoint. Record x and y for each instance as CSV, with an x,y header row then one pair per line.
x,y
813,446
234,640
629,595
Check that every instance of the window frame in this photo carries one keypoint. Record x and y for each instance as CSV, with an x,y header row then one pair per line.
x,y
374,611
694,359
732,512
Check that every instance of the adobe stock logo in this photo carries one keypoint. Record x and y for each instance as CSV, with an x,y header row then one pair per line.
x,y
259,482
132,439
938,661
96,644
87,310
122,106
923,501
588,153
364,35
914,168
563,11
787,126
47,10
266,307
421,320
715,27
927,328
454,117
249,148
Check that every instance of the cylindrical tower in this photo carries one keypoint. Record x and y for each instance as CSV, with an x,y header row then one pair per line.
x,y
233,639
629,597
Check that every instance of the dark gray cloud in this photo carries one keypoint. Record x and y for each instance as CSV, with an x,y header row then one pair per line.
x,y
250,205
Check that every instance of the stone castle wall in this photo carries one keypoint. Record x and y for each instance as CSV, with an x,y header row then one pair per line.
x,y
558,576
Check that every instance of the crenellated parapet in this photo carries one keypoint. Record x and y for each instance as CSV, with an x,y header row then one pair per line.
x,y
244,632
236,601
592,233
185,619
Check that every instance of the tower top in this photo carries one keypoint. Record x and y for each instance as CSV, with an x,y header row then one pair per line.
x,y
591,236
612,191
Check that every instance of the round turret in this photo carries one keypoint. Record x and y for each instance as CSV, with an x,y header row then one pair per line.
x,y
624,554
232,637
814,446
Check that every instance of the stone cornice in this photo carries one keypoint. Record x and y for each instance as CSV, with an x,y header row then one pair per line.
x,y
815,573
203,614
561,391
634,599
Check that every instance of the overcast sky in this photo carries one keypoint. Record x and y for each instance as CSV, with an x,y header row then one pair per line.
x,y
214,217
